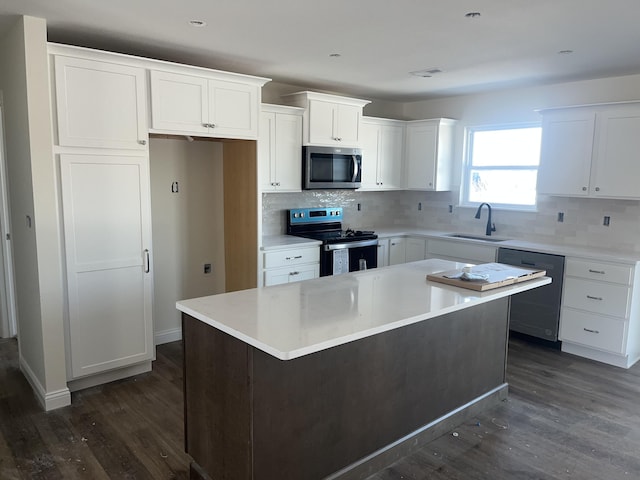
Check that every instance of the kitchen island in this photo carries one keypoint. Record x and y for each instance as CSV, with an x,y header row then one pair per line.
x,y
338,376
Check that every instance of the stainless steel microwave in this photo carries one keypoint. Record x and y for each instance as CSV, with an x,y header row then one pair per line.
x,y
331,167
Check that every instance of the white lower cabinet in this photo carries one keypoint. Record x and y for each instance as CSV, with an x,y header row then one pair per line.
x,y
599,316
107,230
463,252
415,249
404,249
397,250
291,265
383,252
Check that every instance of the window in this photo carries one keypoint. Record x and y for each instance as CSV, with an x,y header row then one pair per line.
x,y
501,166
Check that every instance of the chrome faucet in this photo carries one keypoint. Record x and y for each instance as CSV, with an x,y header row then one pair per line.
x,y
491,227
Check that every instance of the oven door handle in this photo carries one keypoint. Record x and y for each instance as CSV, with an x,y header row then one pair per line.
x,y
355,168
339,246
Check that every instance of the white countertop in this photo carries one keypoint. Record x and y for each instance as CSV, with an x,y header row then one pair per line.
x,y
296,319
556,249
280,242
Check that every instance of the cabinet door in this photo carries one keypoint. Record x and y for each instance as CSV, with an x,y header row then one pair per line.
x,y
100,104
415,249
383,252
107,229
370,137
616,169
233,109
397,250
390,164
267,152
321,123
347,123
565,153
179,103
288,152
422,143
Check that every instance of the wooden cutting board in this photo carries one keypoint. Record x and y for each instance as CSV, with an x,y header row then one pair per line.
x,y
498,275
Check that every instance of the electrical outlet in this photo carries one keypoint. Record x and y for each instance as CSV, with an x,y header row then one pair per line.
x,y
561,217
606,221
207,268
450,208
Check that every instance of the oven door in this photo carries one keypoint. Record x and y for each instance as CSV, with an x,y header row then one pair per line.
x,y
348,257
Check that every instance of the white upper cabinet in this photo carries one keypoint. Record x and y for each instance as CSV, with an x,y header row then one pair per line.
x,y
100,104
591,151
616,171
382,144
429,154
198,105
280,149
565,153
329,120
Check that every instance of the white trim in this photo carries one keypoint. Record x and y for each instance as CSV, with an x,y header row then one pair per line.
x,y
167,336
109,376
622,361
48,400
5,228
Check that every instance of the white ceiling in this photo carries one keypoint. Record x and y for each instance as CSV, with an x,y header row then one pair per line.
x,y
512,43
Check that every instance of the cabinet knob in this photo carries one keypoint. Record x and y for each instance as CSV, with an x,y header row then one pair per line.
x,y
597,189
584,189
142,142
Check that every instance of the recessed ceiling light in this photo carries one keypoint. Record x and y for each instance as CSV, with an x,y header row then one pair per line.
x,y
335,55
472,14
197,23
426,73
565,52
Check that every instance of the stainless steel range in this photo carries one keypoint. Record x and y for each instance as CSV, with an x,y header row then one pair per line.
x,y
341,250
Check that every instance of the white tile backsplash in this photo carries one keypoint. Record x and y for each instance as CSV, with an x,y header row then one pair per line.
x,y
582,226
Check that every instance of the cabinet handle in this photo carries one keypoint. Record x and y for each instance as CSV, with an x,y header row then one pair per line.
x,y
379,246
294,273
293,258
142,142
209,125
594,298
590,331
584,189
147,263
601,272
277,184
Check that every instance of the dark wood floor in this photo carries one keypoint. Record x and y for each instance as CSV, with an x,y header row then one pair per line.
x,y
566,418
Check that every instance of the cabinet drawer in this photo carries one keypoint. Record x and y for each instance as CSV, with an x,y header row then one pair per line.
x,y
296,256
592,330
279,276
606,272
597,297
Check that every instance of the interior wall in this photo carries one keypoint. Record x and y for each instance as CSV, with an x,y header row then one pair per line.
x,y
188,226
36,236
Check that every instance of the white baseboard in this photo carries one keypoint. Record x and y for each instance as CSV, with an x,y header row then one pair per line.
x,y
109,376
48,400
166,336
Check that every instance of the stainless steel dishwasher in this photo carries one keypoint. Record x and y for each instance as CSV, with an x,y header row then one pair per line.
x,y
536,312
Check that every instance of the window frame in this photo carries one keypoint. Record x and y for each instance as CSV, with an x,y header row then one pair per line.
x,y
467,165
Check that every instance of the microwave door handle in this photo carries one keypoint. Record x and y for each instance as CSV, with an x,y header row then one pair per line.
x,y
355,168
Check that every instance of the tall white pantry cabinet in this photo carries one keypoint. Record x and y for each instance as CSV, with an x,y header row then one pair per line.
x,y
102,149
104,107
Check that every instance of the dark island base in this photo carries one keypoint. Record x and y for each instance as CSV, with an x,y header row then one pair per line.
x,y
344,412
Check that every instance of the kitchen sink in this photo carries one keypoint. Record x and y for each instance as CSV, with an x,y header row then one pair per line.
x,y
484,238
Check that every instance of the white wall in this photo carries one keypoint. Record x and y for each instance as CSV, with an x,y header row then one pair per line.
x,y
33,195
188,227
